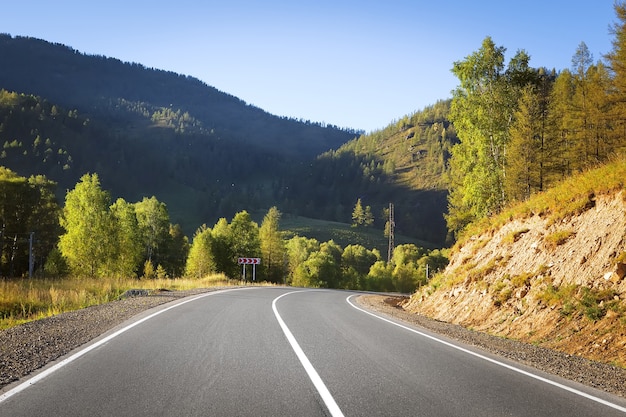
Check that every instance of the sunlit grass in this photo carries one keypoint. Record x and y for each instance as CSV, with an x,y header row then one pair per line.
x,y
571,197
23,300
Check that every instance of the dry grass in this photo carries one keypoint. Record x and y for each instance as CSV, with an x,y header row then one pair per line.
x,y
573,196
23,300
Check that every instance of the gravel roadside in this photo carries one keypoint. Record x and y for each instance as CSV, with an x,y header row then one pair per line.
x,y
28,347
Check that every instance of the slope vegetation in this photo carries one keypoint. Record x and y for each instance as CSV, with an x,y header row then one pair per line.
x,y
550,271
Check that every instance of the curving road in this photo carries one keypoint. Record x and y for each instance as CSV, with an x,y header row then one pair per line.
x,y
290,352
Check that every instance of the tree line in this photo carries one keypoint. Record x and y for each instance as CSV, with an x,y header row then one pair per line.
x,y
522,129
93,236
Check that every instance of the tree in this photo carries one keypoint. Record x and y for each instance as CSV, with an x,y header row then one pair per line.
x,y
380,277
299,249
222,249
244,236
330,272
176,252
524,159
272,247
356,261
200,260
358,214
482,110
617,61
319,270
128,248
362,216
26,206
88,238
154,225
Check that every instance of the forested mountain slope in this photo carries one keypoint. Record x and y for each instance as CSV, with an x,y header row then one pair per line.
x,y
146,132
403,163
146,97
203,152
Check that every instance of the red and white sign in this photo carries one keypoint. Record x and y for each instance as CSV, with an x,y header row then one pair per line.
x,y
248,261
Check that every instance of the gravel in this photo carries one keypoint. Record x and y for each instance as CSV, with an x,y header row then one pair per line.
x,y
28,347
594,374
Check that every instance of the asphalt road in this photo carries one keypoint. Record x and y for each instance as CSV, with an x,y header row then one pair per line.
x,y
290,352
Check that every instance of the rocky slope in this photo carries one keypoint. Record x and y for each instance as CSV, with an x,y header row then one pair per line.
x,y
558,285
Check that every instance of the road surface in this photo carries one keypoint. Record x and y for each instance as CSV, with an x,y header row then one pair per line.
x,y
289,352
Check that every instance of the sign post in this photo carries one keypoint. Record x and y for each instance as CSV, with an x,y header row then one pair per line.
x,y
245,261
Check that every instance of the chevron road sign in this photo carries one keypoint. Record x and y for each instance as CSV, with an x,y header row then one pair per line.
x,y
248,261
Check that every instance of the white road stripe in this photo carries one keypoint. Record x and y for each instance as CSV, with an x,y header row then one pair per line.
x,y
21,387
328,399
504,365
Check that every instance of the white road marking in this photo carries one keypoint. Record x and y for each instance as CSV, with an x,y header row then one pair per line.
x,y
328,399
21,387
502,364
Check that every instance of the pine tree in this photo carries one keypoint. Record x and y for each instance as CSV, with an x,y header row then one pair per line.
x,y
524,156
358,214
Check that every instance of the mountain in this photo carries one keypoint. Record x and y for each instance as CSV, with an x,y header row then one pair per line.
x,y
205,153
403,164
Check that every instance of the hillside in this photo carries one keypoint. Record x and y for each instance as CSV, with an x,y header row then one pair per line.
x,y
205,153
403,164
549,272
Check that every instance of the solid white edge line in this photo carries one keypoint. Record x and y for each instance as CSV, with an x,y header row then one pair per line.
x,y
31,381
328,399
504,365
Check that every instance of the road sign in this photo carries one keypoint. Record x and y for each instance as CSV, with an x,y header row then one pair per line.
x,y
248,261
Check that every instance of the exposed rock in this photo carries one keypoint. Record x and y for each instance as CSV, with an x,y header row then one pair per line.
x,y
549,307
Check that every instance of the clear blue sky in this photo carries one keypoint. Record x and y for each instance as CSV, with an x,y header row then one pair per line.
x,y
353,63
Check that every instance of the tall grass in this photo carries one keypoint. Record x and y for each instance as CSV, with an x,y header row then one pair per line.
x,y
23,300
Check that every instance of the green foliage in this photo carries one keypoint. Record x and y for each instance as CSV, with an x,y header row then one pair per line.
x,y
545,126
482,109
272,244
27,205
88,242
312,264
200,261
244,236
153,222
299,249
101,239
362,216
129,240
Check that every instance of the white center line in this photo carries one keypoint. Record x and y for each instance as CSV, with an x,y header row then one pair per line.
x,y
328,399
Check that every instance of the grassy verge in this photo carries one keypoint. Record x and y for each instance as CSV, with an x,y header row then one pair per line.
x,y
23,300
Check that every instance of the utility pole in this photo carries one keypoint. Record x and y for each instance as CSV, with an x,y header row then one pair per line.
x,y
31,260
392,225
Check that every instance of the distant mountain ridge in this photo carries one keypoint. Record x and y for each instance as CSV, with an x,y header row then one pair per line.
x,y
205,153
93,84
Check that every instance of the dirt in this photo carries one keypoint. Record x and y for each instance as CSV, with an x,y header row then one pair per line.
x,y
516,283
